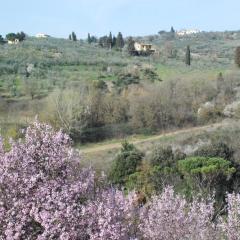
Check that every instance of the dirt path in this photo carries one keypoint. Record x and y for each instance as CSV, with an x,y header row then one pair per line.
x,y
111,146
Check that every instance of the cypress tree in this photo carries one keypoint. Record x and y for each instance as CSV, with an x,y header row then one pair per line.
x,y
188,56
21,36
74,36
220,81
93,39
110,40
1,39
114,41
131,47
89,38
70,37
119,41
172,33
237,56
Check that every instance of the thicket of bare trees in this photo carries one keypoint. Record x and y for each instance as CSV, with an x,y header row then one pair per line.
x,y
91,113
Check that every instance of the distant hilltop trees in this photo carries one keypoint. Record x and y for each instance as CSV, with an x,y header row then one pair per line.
x,y
73,37
108,41
13,38
112,41
16,36
91,39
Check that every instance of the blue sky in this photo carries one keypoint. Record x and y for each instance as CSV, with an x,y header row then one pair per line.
x,y
132,17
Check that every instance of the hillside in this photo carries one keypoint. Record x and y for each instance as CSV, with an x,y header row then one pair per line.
x,y
37,73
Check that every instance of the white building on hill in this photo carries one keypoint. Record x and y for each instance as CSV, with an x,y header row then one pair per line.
x,y
185,32
42,35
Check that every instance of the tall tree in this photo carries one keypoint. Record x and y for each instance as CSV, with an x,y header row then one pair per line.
x,y
220,81
70,37
1,39
103,41
21,36
110,40
237,56
11,36
74,36
114,40
172,33
93,39
89,39
130,46
119,41
188,56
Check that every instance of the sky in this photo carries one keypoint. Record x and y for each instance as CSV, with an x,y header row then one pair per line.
x,y
131,17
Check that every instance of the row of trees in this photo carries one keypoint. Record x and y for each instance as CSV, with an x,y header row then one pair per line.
x,y
73,37
112,41
13,36
105,41
91,39
45,194
21,36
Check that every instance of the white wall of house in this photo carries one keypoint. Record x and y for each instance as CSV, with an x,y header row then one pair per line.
x,y
16,41
41,35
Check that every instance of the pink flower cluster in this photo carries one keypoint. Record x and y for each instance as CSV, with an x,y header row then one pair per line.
x,y
170,216
45,194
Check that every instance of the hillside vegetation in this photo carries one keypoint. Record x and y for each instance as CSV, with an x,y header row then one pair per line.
x,y
95,93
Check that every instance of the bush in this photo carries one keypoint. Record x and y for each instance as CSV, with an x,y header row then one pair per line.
x,y
125,163
204,174
163,157
216,149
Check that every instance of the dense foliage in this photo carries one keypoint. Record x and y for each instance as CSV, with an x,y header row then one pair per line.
x,y
126,163
13,36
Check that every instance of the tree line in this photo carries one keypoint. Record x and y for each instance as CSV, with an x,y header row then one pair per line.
x,y
107,41
20,36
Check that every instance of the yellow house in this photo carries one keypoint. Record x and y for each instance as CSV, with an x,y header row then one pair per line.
x,y
142,47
